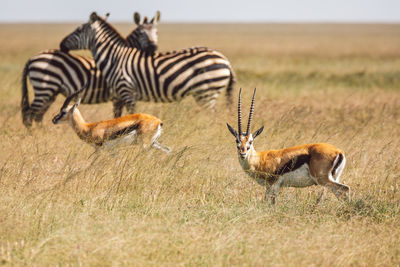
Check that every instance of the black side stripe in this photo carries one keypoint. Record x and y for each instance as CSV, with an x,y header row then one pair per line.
x,y
293,164
122,132
189,65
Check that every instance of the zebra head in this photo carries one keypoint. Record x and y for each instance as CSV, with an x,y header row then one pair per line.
x,y
145,36
84,35
67,110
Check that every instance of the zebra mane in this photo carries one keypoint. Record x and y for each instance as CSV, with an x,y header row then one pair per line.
x,y
111,31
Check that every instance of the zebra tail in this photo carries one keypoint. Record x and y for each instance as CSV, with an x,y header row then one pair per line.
x,y
232,80
25,97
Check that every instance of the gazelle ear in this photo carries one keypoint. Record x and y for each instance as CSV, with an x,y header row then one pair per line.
x,y
136,18
233,132
156,18
258,132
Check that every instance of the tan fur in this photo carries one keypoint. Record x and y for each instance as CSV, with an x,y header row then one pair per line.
x,y
101,132
97,132
322,156
298,166
263,164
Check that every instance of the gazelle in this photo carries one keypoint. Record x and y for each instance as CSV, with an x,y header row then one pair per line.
x,y
298,166
128,129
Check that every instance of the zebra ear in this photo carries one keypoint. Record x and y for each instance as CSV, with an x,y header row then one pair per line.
x,y
156,18
136,18
107,15
145,20
93,17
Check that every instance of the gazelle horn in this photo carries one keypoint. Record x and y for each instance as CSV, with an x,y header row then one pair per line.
x,y
251,113
240,112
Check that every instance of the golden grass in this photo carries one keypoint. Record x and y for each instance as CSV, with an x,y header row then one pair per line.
x,y
61,205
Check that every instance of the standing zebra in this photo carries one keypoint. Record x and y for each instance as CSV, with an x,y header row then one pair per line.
x,y
159,77
53,71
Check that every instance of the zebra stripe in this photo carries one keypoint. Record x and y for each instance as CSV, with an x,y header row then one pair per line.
x,y
159,77
53,71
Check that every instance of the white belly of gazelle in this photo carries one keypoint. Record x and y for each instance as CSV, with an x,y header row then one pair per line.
x,y
300,177
128,139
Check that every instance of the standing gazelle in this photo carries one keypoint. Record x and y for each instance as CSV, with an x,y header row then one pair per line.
x,y
128,129
298,166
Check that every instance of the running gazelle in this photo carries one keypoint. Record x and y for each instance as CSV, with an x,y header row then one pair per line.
x,y
129,129
298,166
53,72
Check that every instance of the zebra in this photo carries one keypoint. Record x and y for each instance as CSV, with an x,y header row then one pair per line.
x,y
159,77
53,71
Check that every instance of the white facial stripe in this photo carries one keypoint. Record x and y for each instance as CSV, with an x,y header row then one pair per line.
x,y
152,34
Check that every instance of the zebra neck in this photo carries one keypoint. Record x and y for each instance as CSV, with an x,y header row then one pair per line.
x,y
133,40
107,47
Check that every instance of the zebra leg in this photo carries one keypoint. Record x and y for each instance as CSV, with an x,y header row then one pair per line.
x,y
27,117
118,105
41,105
127,97
38,117
207,99
130,106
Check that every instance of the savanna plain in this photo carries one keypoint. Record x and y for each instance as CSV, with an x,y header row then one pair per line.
x,y
60,204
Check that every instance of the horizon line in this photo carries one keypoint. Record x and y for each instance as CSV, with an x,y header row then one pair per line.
x,y
214,22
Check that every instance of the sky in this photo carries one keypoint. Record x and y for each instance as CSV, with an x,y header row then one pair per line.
x,y
385,11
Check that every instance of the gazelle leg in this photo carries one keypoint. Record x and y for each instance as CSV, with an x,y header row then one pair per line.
x,y
341,191
267,191
320,196
166,149
274,192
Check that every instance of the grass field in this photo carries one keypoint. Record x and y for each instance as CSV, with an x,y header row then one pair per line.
x,y
336,83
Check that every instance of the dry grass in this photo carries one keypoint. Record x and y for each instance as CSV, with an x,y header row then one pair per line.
x,y
61,205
